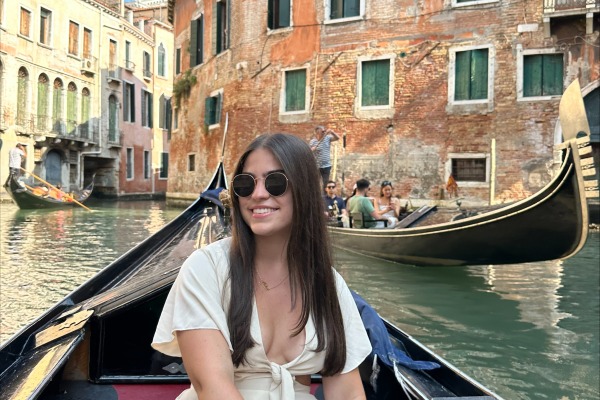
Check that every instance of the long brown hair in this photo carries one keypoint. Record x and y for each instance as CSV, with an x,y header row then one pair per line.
x,y
309,256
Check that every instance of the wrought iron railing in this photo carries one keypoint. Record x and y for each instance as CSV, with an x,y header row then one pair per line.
x,y
129,65
551,6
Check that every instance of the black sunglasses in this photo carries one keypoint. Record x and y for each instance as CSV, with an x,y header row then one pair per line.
x,y
331,187
386,183
276,184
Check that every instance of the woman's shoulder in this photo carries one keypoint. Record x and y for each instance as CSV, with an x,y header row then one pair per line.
x,y
214,255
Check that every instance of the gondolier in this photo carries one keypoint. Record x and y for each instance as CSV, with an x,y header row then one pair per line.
x,y
321,147
16,156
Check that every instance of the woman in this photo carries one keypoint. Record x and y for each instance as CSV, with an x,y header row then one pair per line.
x,y
255,315
388,206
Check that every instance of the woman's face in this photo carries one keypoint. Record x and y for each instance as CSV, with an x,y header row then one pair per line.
x,y
387,191
266,215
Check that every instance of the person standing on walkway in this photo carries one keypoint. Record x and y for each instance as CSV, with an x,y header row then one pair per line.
x,y
320,144
16,155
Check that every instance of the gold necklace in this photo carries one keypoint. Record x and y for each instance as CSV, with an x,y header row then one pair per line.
x,y
266,285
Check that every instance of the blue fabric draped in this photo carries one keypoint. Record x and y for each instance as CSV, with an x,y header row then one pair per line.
x,y
380,339
212,195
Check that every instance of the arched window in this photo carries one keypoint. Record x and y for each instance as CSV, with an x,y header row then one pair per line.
x,y
57,107
71,108
22,90
162,61
112,119
43,92
84,129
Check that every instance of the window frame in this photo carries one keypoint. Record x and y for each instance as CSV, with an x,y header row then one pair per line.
x,y
146,65
283,91
468,184
2,12
270,4
375,111
161,57
147,102
489,101
221,34
469,3
521,54
50,23
115,122
197,41
30,13
327,16
69,37
90,44
147,165
129,64
129,164
162,175
191,162
218,94
178,61
129,102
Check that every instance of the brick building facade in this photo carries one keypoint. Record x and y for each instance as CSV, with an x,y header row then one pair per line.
x,y
420,90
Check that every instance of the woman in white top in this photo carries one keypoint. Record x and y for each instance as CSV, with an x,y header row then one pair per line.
x,y
255,315
387,205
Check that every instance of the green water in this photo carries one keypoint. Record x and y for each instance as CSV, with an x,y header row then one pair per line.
x,y
527,331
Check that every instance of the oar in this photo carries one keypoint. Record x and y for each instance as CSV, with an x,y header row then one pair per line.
x,y
55,188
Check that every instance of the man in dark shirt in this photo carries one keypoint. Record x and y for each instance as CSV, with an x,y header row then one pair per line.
x,y
334,205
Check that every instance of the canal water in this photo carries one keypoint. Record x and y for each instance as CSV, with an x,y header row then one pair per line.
x,y
527,331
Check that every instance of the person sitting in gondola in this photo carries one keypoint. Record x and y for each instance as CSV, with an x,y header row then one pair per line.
x,y
388,205
361,204
57,193
41,191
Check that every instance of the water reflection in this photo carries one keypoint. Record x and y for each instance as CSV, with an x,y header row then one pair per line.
x,y
519,329
45,254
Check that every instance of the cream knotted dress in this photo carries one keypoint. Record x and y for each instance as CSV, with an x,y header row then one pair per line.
x,y
199,299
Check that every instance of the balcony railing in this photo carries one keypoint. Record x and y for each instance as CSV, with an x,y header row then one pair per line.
x,y
115,138
551,6
129,65
147,74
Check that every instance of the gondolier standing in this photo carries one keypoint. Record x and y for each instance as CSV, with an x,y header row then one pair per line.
x,y
16,156
320,144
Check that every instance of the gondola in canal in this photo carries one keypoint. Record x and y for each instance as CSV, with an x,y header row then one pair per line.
x,y
37,197
551,224
95,343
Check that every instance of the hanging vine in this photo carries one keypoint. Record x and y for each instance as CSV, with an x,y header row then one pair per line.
x,y
183,86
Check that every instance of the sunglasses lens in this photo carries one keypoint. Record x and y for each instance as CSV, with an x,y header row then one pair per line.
x,y
276,184
243,185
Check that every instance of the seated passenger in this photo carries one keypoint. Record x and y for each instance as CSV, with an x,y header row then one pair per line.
x,y
334,205
360,203
387,205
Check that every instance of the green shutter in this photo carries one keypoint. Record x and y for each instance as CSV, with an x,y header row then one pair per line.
x,y
375,83
168,112
162,104
178,61
200,34
150,109
208,110
552,74
71,111
351,8
532,75
228,27
132,102
193,44
144,108
42,105
295,90
218,107
215,29
462,75
284,13
479,74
